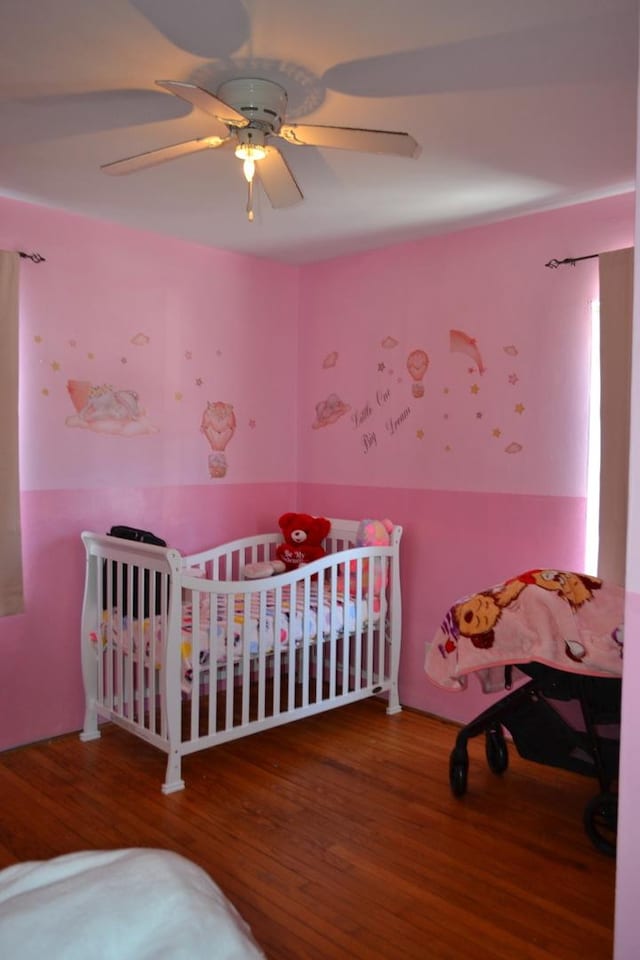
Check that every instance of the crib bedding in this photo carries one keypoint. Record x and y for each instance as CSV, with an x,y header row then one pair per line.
x,y
256,621
562,619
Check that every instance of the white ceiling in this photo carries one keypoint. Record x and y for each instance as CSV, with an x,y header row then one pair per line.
x,y
518,106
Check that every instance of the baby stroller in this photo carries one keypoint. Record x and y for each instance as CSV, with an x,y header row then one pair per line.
x,y
541,733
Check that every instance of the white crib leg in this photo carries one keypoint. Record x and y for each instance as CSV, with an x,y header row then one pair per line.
x,y
172,780
90,730
393,705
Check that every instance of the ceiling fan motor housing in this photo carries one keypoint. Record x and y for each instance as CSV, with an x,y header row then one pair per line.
x,y
262,102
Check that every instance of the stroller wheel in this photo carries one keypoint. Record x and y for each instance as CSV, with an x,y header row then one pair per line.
x,y
458,770
601,822
496,750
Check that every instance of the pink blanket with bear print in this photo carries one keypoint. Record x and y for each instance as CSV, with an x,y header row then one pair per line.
x,y
565,620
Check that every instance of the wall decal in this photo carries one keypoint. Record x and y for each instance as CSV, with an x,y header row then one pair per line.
x,y
330,360
461,342
140,340
329,411
389,343
511,351
102,409
417,365
513,448
218,426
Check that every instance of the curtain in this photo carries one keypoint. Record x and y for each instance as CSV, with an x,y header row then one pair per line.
x,y
11,596
616,324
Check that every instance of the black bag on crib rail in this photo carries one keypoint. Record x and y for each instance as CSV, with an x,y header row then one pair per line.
x,y
132,533
142,536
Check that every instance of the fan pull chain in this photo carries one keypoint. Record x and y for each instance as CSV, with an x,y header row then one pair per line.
x,y
250,201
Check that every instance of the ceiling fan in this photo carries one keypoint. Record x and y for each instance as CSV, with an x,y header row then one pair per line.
x,y
250,113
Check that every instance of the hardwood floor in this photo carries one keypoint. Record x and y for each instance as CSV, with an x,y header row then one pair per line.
x,y
338,837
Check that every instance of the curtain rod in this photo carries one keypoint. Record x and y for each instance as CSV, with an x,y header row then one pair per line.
x,y
572,260
34,257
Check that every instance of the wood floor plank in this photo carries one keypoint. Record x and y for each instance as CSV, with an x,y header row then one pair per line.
x,y
337,836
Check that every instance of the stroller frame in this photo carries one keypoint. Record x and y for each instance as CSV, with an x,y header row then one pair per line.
x,y
541,734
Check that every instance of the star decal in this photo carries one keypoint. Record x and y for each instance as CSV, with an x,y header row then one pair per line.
x,y
420,434
513,379
496,432
519,408
55,365
474,388
199,381
381,367
177,396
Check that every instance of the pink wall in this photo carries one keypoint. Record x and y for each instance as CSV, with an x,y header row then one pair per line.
x,y
179,325
627,929
486,470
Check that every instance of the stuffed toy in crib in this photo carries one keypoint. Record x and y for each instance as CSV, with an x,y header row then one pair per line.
x,y
373,533
303,536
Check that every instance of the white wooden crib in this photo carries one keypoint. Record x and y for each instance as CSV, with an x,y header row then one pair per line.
x,y
186,654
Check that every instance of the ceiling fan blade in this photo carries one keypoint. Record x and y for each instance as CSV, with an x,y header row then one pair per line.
x,y
203,100
279,183
153,157
351,138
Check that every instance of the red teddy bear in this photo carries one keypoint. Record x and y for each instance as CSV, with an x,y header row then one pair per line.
x,y
303,535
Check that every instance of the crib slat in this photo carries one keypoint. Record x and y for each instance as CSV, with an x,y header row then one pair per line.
x,y
245,666
195,664
277,653
262,656
229,686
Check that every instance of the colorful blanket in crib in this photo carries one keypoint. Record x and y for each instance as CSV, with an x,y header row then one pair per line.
x,y
251,619
565,620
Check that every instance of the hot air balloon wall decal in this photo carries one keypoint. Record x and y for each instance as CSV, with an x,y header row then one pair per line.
x,y
218,426
417,365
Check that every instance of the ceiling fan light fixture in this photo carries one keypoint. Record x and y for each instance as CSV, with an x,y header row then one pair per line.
x,y
250,153
250,148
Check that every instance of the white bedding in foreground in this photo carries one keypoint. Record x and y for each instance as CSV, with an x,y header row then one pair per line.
x,y
132,904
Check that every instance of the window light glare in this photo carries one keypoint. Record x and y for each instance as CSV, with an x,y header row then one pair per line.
x,y
593,454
